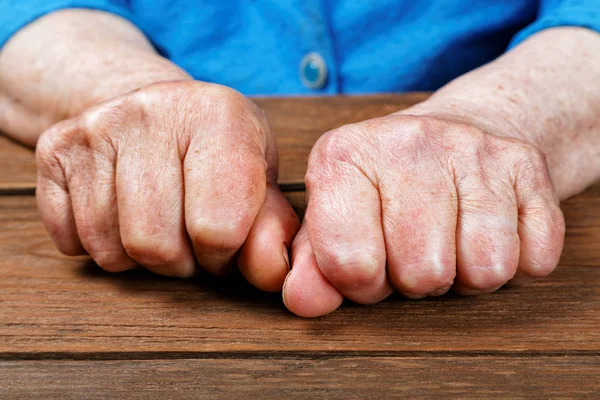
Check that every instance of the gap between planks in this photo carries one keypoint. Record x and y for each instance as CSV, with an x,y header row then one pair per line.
x,y
284,355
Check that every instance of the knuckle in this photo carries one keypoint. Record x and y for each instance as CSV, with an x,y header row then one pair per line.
x,y
151,250
51,144
416,128
357,271
336,145
99,124
532,160
427,278
227,101
220,92
410,132
47,143
225,236
94,119
533,154
333,149
490,276
475,146
237,115
111,260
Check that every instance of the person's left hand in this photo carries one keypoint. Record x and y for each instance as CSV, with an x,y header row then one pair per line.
x,y
421,205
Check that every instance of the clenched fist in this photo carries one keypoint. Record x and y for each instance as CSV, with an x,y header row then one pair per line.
x,y
421,204
167,177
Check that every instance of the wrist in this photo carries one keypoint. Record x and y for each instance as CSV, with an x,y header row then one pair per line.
x,y
124,79
570,174
489,116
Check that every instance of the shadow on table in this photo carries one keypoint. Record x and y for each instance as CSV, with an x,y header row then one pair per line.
x,y
202,287
545,304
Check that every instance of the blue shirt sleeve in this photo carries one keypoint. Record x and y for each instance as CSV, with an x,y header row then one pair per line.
x,y
556,13
14,15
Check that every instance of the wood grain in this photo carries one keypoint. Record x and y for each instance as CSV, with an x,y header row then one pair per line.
x,y
17,166
582,214
330,378
297,123
56,305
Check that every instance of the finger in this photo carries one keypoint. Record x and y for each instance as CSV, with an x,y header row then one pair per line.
x,y
225,181
487,238
94,200
275,226
306,292
343,221
149,183
54,201
93,205
419,221
541,223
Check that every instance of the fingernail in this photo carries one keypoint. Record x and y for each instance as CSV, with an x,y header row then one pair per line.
x,y
286,255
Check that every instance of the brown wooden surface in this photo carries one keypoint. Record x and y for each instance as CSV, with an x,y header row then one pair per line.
x,y
70,330
322,378
60,305
17,166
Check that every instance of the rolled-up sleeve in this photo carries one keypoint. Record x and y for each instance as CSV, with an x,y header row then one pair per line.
x,y
557,13
15,14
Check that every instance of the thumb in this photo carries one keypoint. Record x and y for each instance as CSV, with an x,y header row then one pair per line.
x,y
306,292
263,259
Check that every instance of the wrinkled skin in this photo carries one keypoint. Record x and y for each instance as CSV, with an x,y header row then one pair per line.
x,y
168,177
422,205
418,204
181,174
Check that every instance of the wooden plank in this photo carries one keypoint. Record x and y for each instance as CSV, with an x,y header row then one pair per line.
x,y
297,122
331,378
56,305
582,242
17,166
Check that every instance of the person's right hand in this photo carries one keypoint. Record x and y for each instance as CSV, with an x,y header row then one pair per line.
x,y
165,176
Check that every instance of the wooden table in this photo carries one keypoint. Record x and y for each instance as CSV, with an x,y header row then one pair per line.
x,y
69,329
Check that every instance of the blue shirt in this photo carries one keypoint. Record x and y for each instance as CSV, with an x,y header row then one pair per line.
x,y
356,46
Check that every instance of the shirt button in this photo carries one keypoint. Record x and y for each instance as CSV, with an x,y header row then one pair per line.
x,y
313,71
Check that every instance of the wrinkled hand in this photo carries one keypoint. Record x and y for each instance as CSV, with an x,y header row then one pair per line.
x,y
421,205
165,176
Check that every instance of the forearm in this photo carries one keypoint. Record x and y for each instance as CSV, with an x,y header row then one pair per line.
x,y
69,60
544,91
